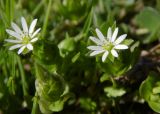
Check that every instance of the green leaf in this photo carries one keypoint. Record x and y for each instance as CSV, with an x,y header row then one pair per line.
x,y
151,93
114,92
87,23
146,87
65,46
128,42
43,106
75,58
154,97
151,15
134,46
116,68
56,106
11,85
156,90
155,106
88,104
104,77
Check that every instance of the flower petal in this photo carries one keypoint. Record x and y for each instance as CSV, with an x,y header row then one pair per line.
x,y
104,56
13,41
16,28
95,48
114,35
114,53
109,34
34,39
96,52
95,40
100,35
15,46
120,38
24,25
121,47
21,49
29,46
32,26
14,34
35,33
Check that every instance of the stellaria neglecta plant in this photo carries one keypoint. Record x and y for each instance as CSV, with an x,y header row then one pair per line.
x,y
107,45
23,39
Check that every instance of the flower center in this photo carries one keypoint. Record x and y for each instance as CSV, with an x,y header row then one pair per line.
x,y
26,40
108,46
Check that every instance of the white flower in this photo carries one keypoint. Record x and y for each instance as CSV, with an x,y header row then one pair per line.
x,y
107,45
23,39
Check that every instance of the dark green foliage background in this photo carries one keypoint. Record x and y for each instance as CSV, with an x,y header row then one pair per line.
x,y
72,82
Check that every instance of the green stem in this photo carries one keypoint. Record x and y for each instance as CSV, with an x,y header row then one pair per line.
x,y
4,69
116,105
113,82
118,108
46,19
38,72
38,8
13,73
24,83
12,3
35,104
13,64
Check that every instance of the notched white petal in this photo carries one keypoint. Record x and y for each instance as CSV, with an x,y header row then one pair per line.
x,y
96,52
115,33
95,47
13,41
100,35
121,46
35,33
32,26
96,40
29,46
109,34
120,38
114,53
16,28
24,25
15,46
21,49
14,34
34,39
104,56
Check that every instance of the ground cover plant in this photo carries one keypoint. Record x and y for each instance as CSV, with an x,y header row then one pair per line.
x,y
79,56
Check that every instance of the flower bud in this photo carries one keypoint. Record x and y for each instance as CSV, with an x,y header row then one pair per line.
x,y
51,88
